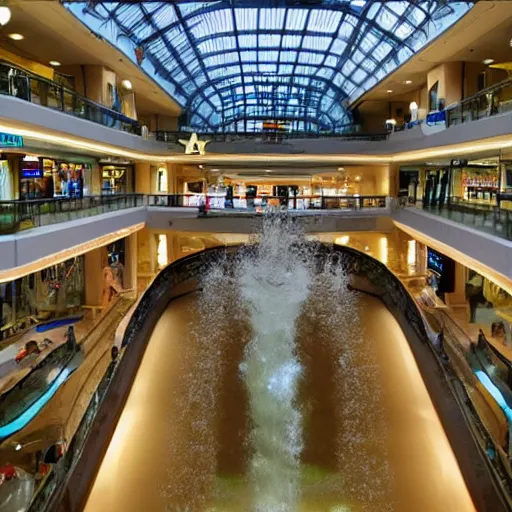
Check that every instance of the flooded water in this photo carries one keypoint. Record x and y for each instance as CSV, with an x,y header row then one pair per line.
x,y
276,389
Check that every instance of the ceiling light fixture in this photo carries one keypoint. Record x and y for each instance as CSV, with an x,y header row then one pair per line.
x,y
408,82
55,63
389,91
488,61
5,15
16,37
127,85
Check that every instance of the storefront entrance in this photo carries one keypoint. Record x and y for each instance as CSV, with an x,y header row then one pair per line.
x,y
45,178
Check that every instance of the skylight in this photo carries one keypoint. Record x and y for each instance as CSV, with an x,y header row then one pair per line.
x,y
233,65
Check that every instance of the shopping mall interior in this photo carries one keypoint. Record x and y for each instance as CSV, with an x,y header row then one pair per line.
x,y
255,256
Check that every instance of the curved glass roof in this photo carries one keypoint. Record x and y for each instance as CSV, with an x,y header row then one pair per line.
x,y
234,64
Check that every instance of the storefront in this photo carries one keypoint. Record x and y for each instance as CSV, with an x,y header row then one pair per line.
x,y
117,179
45,178
489,307
476,182
54,292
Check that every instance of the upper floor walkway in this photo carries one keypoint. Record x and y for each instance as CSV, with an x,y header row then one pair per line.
x,y
39,233
45,112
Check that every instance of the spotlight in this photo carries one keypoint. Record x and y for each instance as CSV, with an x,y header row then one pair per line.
x,y
5,15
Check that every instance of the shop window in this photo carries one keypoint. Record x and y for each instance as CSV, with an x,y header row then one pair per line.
x,y
6,181
162,185
433,97
114,179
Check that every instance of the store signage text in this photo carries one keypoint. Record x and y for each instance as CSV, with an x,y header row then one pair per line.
x,y
8,140
31,173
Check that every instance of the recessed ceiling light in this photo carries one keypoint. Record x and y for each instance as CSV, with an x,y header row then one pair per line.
x,y
5,15
408,82
488,61
389,91
510,42
54,63
16,37
127,85
268,170
357,178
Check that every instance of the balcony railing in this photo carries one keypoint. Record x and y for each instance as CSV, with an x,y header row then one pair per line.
x,y
268,137
41,91
489,219
491,101
237,203
18,215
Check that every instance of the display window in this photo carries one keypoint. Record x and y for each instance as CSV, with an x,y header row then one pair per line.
x,y
114,179
490,307
6,181
44,178
162,184
53,292
68,179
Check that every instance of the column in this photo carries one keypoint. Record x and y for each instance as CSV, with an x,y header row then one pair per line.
x,y
458,297
130,263
143,178
394,179
95,261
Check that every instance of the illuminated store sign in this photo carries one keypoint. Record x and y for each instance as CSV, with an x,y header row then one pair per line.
x,y
31,173
8,140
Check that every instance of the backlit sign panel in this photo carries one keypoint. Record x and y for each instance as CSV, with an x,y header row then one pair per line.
x,y
8,140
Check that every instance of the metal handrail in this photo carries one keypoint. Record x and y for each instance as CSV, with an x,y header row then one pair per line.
x,y
37,212
271,136
22,84
316,201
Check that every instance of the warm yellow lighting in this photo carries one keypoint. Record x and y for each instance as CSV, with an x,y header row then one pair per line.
x,y
389,91
383,250
161,176
53,259
408,82
411,252
487,272
161,251
16,37
342,240
488,61
5,15
54,63
220,159
357,178
126,84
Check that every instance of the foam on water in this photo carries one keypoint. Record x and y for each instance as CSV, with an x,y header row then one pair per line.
x,y
259,301
274,284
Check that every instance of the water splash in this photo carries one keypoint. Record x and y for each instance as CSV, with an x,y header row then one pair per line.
x,y
274,284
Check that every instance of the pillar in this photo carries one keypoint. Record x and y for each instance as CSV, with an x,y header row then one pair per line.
x,y
172,179
95,261
458,297
143,178
394,179
130,263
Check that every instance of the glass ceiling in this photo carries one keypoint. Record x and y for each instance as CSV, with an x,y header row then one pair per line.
x,y
235,64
